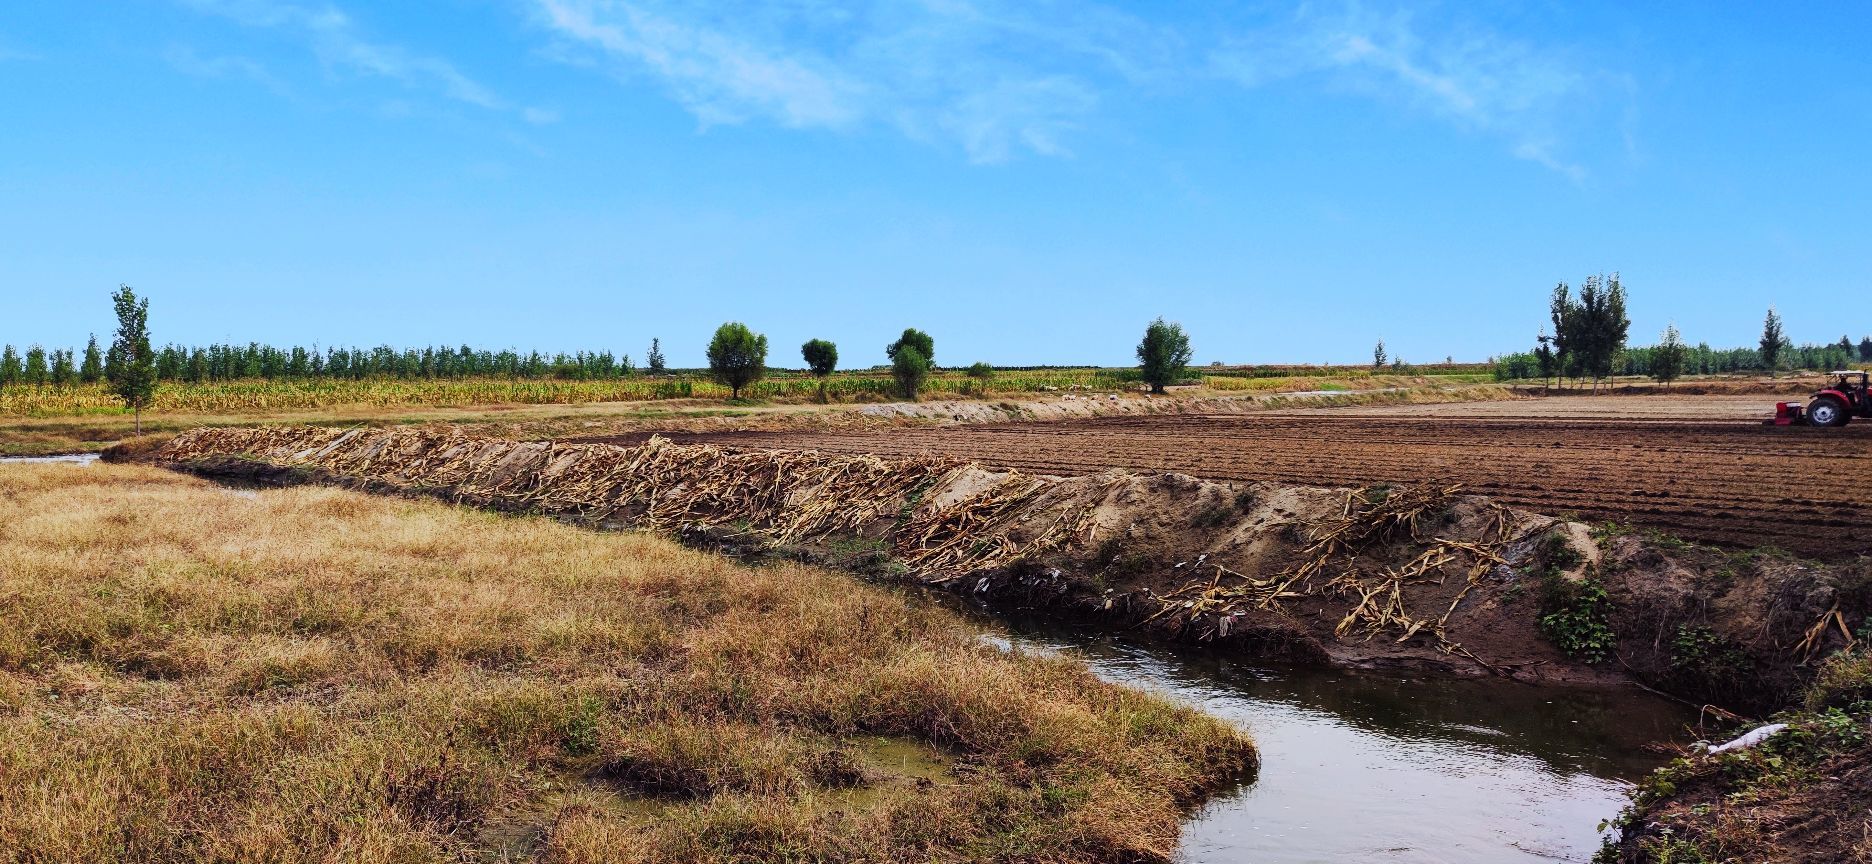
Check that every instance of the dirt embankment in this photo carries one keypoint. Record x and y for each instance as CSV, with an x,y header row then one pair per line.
x,y
1409,577
1737,484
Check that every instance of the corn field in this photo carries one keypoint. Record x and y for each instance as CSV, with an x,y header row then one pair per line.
x,y
251,395
259,395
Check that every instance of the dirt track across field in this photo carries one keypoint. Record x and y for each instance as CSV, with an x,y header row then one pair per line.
x,y
1731,482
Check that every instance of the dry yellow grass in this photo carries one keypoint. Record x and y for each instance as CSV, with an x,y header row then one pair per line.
x,y
191,673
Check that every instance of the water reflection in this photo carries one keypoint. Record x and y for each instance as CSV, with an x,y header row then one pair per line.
x,y
1363,767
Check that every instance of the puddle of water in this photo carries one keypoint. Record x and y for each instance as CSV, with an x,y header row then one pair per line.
x,y
903,758
1362,767
74,458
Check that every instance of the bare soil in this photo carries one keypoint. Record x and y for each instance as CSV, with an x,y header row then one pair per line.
x,y
1649,462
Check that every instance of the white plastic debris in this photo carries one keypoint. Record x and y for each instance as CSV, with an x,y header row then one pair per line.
x,y
1752,739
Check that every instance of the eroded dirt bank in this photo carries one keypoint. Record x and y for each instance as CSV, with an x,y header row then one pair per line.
x,y
1408,577
1738,484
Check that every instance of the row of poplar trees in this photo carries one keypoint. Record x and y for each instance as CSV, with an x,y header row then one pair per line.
x,y
1590,330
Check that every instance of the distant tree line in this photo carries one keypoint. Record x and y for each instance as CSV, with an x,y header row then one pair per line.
x,y
228,362
1589,345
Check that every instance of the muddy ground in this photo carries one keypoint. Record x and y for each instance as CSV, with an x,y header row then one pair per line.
x,y
1737,484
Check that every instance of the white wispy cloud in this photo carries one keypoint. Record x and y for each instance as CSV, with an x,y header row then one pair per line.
x,y
1479,79
998,77
336,41
187,60
993,78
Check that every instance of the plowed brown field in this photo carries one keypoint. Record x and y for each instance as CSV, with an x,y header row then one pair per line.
x,y
1732,483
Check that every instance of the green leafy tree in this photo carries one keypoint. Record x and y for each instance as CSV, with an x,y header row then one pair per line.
x,y
1771,341
64,372
653,361
1590,332
1544,357
912,337
1667,359
36,369
10,368
1601,325
910,368
1865,350
1163,354
1611,327
1846,346
821,359
93,369
1565,315
979,375
1378,356
133,372
737,356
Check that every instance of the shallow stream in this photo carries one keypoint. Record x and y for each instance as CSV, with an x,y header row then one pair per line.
x,y
1390,768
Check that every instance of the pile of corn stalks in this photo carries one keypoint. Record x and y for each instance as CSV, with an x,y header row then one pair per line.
x,y
789,496
1368,518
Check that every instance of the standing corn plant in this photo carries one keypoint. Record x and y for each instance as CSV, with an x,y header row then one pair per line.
x,y
133,370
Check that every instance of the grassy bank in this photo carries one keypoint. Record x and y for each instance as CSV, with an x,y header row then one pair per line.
x,y
1804,795
191,673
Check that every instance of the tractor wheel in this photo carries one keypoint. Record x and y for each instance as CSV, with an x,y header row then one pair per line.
x,y
1826,411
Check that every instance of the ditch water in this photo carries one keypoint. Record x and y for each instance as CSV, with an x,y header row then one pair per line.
x,y
75,458
1387,768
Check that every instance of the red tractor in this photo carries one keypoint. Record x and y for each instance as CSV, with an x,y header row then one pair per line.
x,y
1841,401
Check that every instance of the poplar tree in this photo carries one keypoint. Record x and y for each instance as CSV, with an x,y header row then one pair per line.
x,y
1378,356
1564,314
64,372
10,369
1544,355
1590,333
93,369
36,366
1611,328
653,361
1865,350
133,375
1771,341
1667,359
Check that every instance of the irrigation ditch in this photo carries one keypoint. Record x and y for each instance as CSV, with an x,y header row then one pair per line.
x,y
1413,580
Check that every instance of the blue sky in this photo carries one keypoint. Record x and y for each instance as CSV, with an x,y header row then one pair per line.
x,y
1031,182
